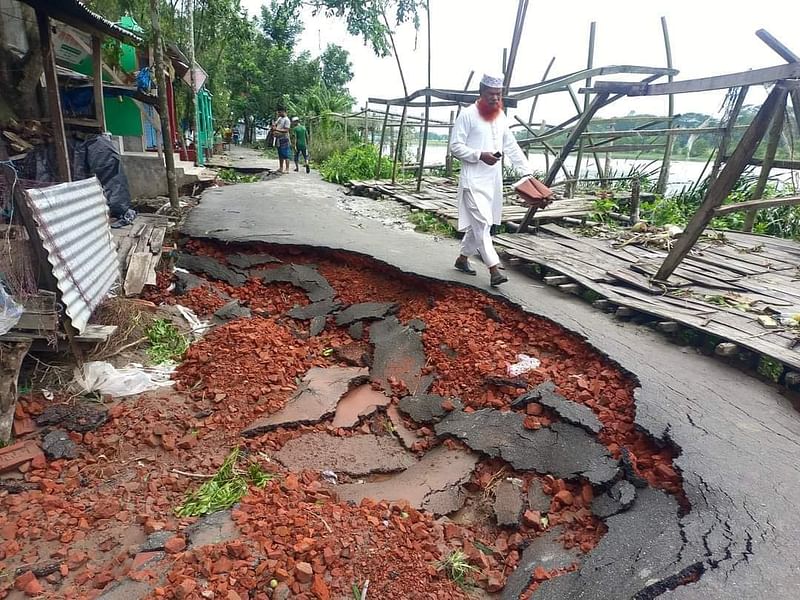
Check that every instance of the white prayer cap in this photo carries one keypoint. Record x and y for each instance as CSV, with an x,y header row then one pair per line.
x,y
492,81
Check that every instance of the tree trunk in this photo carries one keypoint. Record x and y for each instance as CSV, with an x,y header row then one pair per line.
x,y
161,82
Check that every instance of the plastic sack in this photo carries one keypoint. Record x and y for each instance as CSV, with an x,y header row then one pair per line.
x,y
102,377
525,363
10,312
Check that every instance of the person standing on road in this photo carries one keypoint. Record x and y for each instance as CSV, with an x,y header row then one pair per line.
x,y
480,139
281,132
300,135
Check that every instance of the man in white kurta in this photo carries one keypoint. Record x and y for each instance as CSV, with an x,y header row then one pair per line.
x,y
480,138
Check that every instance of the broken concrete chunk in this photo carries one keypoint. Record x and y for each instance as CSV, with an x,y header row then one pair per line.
x,y
356,456
245,261
537,499
80,416
562,449
433,484
428,408
306,278
366,311
317,326
359,402
214,528
233,310
619,498
577,414
356,330
211,267
508,503
399,354
534,395
406,435
57,445
545,551
315,400
186,282
315,309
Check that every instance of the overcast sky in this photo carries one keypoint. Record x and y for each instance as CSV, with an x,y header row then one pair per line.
x,y
709,37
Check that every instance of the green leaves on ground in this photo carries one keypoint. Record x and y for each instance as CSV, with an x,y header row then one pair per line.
x,y
358,162
225,489
456,566
166,342
232,176
428,222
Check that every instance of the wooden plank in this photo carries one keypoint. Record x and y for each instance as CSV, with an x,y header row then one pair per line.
x,y
97,82
137,273
157,239
53,96
151,269
704,84
756,205
144,239
37,322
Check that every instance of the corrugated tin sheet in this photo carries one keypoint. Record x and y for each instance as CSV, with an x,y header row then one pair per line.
x,y
76,13
73,223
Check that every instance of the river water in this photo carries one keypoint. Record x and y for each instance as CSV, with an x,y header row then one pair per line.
x,y
682,173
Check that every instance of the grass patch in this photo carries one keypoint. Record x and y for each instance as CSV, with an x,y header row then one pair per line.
x,y
427,222
166,342
456,566
232,176
225,489
770,368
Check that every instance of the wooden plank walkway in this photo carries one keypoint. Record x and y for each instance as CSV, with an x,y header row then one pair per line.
x,y
438,195
139,248
721,289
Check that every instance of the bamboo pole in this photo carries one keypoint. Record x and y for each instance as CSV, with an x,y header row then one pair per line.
x,y
519,23
773,140
586,100
161,83
663,176
536,98
448,157
421,160
97,82
589,139
727,133
380,147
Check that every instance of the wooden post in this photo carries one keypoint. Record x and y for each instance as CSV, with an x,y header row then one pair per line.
x,y
508,69
663,176
163,114
380,147
448,157
97,84
723,185
366,120
53,96
424,141
773,139
11,357
570,191
790,57
398,148
634,208
578,109
727,133
600,100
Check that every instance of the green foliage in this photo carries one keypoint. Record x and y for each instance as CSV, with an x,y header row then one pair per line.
x,y
358,162
232,176
770,368
224,489
281,23
166,342
337,70
428,222
456,566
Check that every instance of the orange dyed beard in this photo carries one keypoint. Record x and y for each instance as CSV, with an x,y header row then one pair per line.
x,y
487,112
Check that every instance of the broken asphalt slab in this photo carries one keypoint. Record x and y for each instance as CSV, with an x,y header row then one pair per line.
x,y
508,503
357,455
213,528
428,408
306,278
80,416
619,498
433,484
562,449
356,404
57,445
233,310
577,414
211,267
245,261
315,309
366,311
537,499
316,399
399,355
545,551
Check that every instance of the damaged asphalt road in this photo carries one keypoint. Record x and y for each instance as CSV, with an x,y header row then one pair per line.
x,y
739,438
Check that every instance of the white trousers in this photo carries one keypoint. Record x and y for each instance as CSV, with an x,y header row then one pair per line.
x,y
477,238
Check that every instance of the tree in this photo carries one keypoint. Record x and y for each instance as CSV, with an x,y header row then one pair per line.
x,y
281,23
336,67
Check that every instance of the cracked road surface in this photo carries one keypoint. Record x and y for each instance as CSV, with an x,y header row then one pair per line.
x,y
739,438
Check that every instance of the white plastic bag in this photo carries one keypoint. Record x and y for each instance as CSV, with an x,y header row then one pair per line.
x,y
102,377
525,363
10,312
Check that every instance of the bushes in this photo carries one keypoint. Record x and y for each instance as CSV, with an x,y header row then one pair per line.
x,y
358,162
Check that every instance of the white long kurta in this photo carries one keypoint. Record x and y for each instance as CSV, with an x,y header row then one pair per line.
x,y
471,136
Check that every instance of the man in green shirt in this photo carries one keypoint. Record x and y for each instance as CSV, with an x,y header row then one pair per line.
x,y
300,135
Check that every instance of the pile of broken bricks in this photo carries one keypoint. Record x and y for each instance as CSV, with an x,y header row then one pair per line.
x,y
345,379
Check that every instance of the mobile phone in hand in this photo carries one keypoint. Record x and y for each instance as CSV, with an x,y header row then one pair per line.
x,y
498,154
